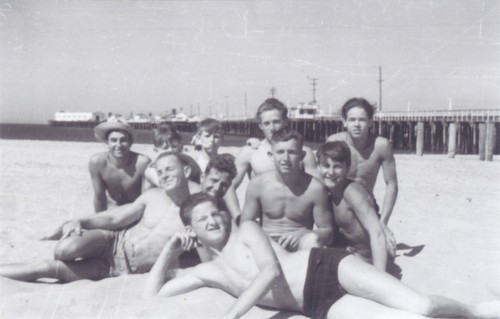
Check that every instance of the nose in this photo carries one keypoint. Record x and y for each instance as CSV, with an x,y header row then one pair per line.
x,y
210,220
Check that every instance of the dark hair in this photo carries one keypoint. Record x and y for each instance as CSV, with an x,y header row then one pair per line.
x,y
285,134
194,200
165,133
209,125
336,151
272,104
130,137
358,102
223,163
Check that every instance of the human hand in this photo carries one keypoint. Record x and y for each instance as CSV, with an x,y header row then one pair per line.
x,y
390,241
253,143
70,228
182,241
290,241
55,235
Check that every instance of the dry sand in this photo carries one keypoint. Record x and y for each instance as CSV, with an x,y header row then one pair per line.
x,y
450,206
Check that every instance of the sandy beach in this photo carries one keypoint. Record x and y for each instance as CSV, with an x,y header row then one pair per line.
x,y
447,209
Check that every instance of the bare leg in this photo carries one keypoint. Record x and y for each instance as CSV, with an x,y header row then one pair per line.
x,y
349,307
92,269
361,279
91,244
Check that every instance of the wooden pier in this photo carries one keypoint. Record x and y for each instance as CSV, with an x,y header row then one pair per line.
x,y
419,132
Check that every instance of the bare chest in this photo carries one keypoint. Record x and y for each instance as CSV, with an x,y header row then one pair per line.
x,y
261,161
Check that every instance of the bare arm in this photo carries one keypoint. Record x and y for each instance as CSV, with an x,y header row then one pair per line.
x,y
100,200
310,165
362,206
252,209
242,163
113,219
391,180
163,278
323,217
150,179
267,262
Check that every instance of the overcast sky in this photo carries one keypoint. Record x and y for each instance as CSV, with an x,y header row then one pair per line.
x,y
152,56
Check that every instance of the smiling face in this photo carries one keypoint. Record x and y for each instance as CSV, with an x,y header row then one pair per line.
x,y
171,172
216,183
332,172
357,122
287,156
210,225
119,144
270,122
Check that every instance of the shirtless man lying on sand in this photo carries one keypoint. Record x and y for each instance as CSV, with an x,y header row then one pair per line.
x,y
319,283
126,239
288,201
118,173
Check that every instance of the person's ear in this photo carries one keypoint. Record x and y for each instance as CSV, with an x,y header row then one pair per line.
x,y
344,123
187,171
270,154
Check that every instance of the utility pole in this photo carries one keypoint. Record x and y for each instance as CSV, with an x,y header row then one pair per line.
x,y
380,88
227,107
314,87
273,91
245,105
380,127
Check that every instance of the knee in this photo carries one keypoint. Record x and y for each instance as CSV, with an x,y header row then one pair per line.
x,y
426,307
65,250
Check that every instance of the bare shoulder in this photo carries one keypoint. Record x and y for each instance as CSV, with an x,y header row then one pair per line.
x,y
194,187
383,146
355,193
98,160
142,160
337,137
245,154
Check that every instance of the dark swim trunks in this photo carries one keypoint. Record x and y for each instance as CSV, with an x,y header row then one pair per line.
x,y
322,288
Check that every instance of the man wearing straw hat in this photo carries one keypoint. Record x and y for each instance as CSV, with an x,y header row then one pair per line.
x,y
116,174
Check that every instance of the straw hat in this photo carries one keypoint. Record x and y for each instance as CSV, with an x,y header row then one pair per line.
x,y
113,124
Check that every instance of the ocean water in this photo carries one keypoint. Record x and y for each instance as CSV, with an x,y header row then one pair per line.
x,y
51,133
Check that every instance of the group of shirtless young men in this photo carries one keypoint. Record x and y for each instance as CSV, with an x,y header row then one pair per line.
x,y
276,250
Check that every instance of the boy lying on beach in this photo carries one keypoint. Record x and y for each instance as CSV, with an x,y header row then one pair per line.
x,y
291,204
126,239
354,209
118,173
320,283
167,139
